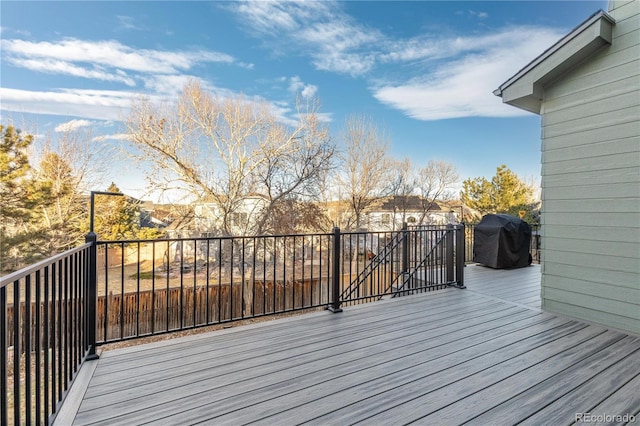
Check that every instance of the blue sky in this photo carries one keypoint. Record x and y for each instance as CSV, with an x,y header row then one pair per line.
x,y
423,70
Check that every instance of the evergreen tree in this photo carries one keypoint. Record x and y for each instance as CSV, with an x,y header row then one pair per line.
x,y
504,193
21,196
116,218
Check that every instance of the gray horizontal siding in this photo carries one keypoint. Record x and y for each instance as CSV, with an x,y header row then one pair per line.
x,y
623,283
599,149
604,262
610,102
593,233
600,248
602,205
603,162
591,182
591,191
593,177
602,134
602,317
608,85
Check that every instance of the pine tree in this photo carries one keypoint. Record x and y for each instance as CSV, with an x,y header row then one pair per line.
x,y
504,193
116,218
21,196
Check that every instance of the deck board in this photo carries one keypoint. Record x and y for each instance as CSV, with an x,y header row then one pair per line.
x,y
482,355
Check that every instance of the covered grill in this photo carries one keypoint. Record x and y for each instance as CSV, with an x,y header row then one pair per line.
x,y
502,241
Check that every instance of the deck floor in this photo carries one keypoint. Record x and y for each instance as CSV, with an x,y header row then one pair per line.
x,y
485,355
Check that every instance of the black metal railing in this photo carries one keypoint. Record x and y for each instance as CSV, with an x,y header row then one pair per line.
x,y
416,259
159,286
56,312
535,248
45,335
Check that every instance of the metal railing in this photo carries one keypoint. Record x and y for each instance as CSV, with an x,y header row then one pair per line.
x,y
535,247
45,335
56,312
416,259
160,286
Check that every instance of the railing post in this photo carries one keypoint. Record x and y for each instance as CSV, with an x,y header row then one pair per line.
x,y
449,253
92,295
460,255
335,299
405,255
405,248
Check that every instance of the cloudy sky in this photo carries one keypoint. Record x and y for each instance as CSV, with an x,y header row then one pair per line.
x,y
423,70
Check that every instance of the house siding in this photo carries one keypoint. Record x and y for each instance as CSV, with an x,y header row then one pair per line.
x,y
591,182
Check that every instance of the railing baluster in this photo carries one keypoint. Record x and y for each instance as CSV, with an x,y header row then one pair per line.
x,y
275,278
138,291
242,283
253,275
166,306
38,348
46,342
67,351
195,288
27,348
16,352
153,287
106,292
207,319
4,379
122,294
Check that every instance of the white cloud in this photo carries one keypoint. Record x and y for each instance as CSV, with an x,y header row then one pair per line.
x,y
334,40
52,66
72,125
463,86
127,23
161,71
95,104
114,137
270,16
111,54
479,15
167,85
296,85
441,77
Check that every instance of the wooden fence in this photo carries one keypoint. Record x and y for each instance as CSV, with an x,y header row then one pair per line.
x,y
136,314
147,312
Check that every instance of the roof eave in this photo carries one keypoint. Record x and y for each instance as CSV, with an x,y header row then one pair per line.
x,y
524,89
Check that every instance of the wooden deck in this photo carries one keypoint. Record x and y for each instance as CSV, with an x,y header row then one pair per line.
x,y
485,355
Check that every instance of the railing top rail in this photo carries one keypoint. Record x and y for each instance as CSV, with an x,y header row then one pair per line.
x,y
409,228
14,276
228,237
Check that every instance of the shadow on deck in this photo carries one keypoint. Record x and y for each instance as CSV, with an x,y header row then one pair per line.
x,y
486,355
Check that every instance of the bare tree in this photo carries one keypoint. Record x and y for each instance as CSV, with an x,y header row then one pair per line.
x,y
434,182
69,165
235,154
225,150
404,184
365,175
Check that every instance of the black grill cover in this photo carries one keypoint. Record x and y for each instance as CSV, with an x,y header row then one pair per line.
x,y
502,241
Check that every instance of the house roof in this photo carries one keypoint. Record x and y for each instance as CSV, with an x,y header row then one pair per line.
x,y
406,203
524,89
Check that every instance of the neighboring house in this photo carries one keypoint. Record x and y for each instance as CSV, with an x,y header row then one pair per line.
x,y
389,213
586,88
208,216
153,216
